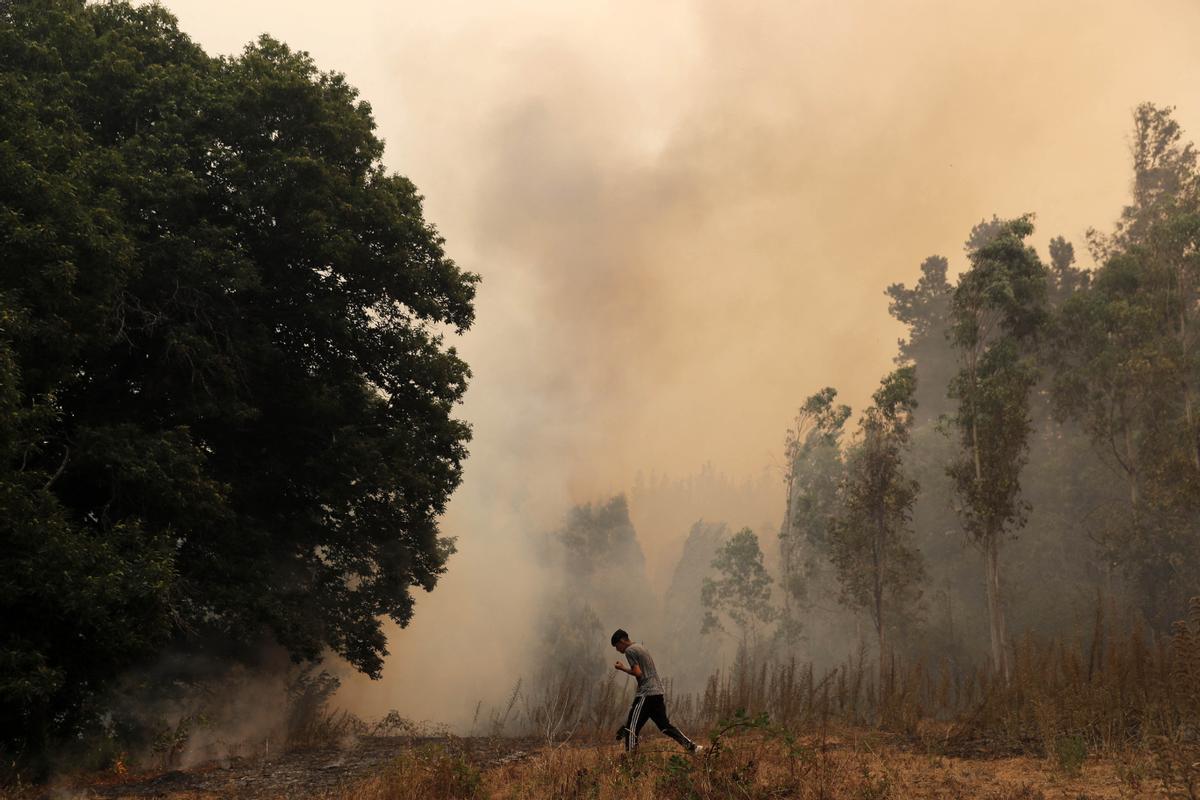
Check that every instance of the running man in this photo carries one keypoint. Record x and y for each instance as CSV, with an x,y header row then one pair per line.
x,y
648,702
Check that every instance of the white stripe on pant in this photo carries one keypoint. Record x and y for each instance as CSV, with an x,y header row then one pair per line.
x,y
633,722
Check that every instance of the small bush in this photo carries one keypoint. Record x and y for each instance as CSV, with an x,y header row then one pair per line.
x,y
677,781
434,772
1070,753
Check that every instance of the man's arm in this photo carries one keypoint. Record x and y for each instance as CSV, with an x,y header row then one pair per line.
x,y
634,668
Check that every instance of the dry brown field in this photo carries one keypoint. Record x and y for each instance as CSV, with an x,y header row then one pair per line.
x,y
752,763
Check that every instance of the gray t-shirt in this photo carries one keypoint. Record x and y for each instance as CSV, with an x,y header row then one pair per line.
x,y
648,684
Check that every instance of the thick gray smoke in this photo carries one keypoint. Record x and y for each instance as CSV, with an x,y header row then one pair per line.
x,y
685,215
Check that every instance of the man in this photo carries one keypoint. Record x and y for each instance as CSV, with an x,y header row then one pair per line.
x,y
648,702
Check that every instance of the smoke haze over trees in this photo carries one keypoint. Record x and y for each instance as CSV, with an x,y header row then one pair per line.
x,y
687,230
1049,477
685,226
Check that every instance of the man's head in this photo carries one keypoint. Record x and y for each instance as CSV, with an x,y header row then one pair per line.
x,y
620,640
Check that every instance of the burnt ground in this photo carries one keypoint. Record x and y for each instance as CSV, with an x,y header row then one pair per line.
x,y
314,773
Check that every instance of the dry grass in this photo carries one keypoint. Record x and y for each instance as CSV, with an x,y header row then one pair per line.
x,y
757,767
1115,715
1108,693
749,759
1111,692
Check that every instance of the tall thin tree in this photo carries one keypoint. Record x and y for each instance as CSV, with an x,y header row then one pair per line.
x,y
813,467
877,566
998,307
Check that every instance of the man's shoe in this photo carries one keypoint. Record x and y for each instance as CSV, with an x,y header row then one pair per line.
x,y
697,749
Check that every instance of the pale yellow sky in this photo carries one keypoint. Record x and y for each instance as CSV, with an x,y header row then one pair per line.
x,y
685,214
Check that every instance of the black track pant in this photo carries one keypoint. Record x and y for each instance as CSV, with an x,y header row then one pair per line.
x,y
651,707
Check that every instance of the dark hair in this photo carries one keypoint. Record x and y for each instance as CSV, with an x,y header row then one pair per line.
x,y
618,636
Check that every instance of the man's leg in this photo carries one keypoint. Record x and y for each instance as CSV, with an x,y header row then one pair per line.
x,y
634,723
656,709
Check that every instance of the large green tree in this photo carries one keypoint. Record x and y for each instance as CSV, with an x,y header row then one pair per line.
x,y
1126,366
227,399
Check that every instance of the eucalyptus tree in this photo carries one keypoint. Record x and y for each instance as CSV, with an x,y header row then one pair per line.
x,y
1160,235
1161,231
1066,279
740,594
1126,365
1106,372
814,464
878,567
925,310
999,305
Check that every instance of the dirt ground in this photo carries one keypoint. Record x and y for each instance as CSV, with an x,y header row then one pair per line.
x,y
866,768
317,773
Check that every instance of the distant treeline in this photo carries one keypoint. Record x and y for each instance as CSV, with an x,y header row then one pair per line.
x,y
1033,460
1037,449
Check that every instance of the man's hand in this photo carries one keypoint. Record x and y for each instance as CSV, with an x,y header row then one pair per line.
x,y
634,671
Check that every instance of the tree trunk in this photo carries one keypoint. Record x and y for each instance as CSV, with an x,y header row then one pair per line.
x,y
877,556
787,546
1193,443
999,631
950,616
1131,470
975,451
883,659
991,547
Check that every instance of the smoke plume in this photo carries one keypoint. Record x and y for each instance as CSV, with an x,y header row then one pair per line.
x,y
685,214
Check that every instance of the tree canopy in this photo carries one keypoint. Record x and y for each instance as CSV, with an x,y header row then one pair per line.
x,y
877,567
226,413
1055,423
741,594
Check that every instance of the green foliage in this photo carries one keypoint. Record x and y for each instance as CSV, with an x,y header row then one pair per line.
x,y
721,771
429,772
814,462
924,310
225,413
1165,175
1126,364
1073,419
739,721
1070,752
996,426
677,779
877,567
998,308
1066,280
742,591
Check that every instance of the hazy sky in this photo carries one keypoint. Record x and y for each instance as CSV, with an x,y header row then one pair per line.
x,y
685,214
